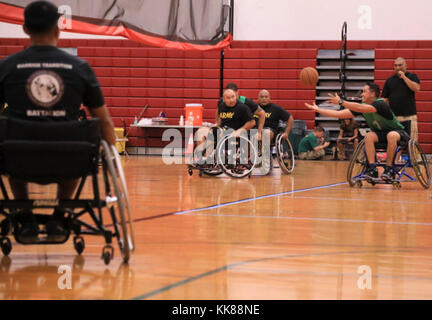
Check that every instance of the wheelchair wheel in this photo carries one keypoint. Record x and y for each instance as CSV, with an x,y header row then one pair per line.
x,y
236,156
213,171
207,169
357,165
285,154
114,192
419,163
124,191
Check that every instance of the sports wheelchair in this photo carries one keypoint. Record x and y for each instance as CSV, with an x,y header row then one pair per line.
x,y
280,149
235,156
411,156
51,152
238,156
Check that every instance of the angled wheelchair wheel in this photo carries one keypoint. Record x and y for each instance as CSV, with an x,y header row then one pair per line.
x,y
285,154
236,156
124,191
116,202
419,163
357,165
215,171
207,169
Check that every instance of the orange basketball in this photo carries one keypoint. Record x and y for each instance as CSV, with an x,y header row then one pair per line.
x,y
309,76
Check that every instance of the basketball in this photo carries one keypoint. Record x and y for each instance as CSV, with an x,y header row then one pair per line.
x,y
309,76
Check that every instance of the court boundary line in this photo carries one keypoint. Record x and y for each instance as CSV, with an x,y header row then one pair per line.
x,y
216,206
245,262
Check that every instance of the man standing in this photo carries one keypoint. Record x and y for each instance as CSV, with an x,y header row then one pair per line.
x,y
44,83
399,92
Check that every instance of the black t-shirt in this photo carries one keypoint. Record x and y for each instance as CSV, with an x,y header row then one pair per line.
x,y
46,83
273,114
401,97
249,102
234,117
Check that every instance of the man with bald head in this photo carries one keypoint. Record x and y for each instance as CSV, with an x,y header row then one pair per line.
x,y
234,114
231,114
399,92
274,114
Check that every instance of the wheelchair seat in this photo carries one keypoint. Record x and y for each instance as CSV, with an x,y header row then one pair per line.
x,y
51,152
58,150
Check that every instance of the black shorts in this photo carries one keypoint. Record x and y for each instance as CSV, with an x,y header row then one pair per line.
x,y
382,135
275,133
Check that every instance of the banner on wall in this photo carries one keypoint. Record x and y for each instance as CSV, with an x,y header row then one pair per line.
x,y
177,24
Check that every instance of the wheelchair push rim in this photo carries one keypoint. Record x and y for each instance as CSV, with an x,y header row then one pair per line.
x,y
357,165
419,163
285,154
124,190
232,160
119,220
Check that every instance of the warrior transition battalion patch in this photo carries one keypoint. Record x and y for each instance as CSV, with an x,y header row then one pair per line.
x,y
45,88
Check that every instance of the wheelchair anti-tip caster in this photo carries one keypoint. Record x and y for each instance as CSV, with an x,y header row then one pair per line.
x,y
79,244
397,185
107,254
5,227
6,245
190,171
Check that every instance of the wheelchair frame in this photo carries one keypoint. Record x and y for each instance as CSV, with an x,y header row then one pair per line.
x,y
285,159
227,161
359,161
114,198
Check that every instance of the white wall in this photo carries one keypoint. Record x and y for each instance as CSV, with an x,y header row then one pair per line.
x,y
316,20
323,19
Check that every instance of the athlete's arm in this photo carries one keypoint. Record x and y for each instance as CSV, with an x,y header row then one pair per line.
x,y
340,114
107,127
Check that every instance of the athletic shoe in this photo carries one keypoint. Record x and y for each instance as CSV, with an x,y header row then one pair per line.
x,y
388,174
371,173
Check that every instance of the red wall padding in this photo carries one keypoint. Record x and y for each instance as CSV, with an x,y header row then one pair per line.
x,y
133,75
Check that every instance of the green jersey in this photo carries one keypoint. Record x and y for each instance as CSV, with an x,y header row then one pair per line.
x,y
308,143
383,120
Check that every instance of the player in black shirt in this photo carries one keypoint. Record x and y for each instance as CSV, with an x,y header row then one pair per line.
x,y
254,108
44,83
231,115
274,114
234,114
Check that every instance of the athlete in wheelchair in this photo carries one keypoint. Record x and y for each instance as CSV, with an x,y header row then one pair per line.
x,y
226,148
42,141
275,135
386,133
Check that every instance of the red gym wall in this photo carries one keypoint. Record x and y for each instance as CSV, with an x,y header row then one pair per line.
x,y
132,75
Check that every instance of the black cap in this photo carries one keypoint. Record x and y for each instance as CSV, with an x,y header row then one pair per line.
x,y
40,16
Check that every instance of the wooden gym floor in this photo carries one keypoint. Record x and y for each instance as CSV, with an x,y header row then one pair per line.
x,y
302,236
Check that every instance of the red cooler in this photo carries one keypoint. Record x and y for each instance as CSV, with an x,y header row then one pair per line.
x,y
193,114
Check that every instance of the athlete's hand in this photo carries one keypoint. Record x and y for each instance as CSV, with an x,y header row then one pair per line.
x,y
334,99
238,132
312,106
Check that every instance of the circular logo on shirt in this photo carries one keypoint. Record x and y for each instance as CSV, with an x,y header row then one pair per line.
x,y
45,88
